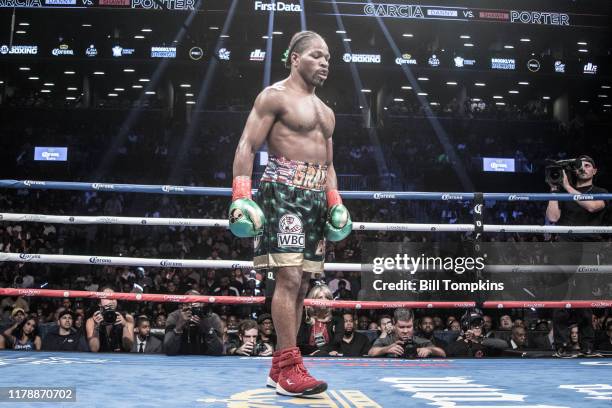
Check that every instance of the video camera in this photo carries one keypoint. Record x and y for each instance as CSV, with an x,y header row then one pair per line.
x,y
554,170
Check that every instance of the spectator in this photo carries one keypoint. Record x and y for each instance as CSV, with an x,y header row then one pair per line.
x,y
385,326
364,322
606,343
518,341
224,288
109,329
249,345
23,336
64,337
402,342
319,327
145,341
472,343
487,328
160,321
342,293
352,343
189,330
426,331
505,322
266,330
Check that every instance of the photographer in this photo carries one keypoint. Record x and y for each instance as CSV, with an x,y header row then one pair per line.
x,y
248,332
586,213
192,329
472,343
108,329
402,342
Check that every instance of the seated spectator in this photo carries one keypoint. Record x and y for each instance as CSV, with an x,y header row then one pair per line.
x,y
487,328
160,321
574,339
145,342
426,331
385,326
190,330
352,343
545,342
64,337
505,322
224,288
249,344
518,341
342,293
606,344
266,330
319,327
402,342
23,336
109,329
363,322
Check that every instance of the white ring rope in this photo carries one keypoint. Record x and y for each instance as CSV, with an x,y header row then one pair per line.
x,y
357,226
232,264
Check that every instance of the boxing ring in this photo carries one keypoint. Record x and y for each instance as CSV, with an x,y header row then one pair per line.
x,y
150,380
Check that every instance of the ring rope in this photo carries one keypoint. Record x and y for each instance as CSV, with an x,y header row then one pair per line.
x,y
256,300
357,226
225,191
233,264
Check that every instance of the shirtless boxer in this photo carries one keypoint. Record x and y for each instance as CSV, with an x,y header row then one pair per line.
x,y
298,205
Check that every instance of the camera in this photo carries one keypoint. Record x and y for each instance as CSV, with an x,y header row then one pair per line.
x,y
108,314
258,349
471,318
319,340
410,348
553,173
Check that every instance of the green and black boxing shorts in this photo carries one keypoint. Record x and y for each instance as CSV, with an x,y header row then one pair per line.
x,y
292,197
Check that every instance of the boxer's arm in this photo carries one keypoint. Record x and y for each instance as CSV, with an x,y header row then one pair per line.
x,y
255,132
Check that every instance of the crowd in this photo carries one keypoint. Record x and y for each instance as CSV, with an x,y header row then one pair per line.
x,y
195,328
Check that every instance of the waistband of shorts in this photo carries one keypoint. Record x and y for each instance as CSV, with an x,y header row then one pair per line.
x,y
296,173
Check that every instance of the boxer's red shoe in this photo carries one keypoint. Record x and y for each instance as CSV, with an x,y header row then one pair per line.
x,y
274,370
294,380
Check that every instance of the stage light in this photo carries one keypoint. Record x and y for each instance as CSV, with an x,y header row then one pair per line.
x,y
71,98
479,84
189,94
513,92
112,94
498,97
185,86
70,88
423,79
24,68
451,83
581,43
98,73
137,86
129,70
190,102
434,103
45,90
406,88
277,33
465,37
340,32
509,47
143,80
500,103
20,32
422,93
69,72
33,78
408,35
346,40
85,25
468,45
366,90
146,30
546,98
602,96
398,99
139,37
525,40
584,101
150,92
48,84
523,83
605,86
213,28
119,89
24,24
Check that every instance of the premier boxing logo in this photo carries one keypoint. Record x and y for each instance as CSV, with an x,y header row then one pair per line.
x,y
291,235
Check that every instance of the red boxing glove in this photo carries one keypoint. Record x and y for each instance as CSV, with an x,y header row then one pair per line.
x,y
333,198
241,188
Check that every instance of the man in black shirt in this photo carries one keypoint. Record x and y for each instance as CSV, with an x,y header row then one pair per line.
x,y
64,337
426,331
586,213
351,344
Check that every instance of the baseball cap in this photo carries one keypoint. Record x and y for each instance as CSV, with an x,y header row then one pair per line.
x,y
65,312
586,158
17,310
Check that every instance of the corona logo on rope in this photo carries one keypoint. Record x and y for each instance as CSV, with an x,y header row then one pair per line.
x,y
452,197
102,295
29,292
514,197
99,260
172,189
27,257
380,196
102,186
174,298
171,264
580,197
107,220
34,183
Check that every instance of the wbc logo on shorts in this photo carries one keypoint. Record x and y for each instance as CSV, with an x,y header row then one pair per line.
x,y
291,232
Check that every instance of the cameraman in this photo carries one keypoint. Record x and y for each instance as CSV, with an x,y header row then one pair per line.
x,y
587,213
193,330
108,329
248,331
402,342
